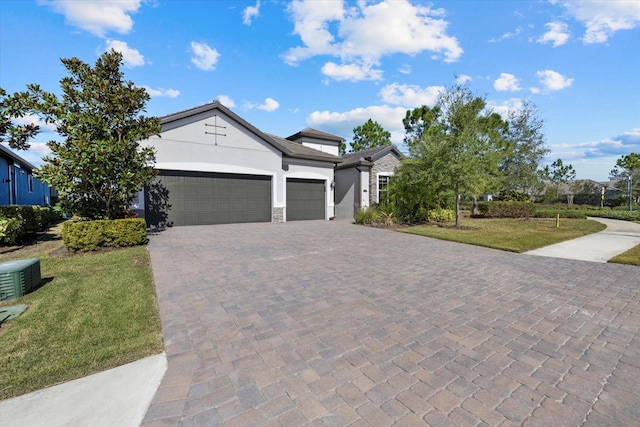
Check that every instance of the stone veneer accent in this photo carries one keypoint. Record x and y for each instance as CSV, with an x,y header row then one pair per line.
x,y
386,164
278,215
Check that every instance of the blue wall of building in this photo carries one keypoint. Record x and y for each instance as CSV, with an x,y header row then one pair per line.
x,y
21,192
4,181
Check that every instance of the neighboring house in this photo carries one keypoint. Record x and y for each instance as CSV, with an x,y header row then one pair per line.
x,y
214,168
587,192
363,177
18,186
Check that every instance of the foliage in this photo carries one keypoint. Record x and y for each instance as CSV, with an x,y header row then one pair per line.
x,y
514,235
558,173
368,216
29,220
506,209
519,170
460,145
514,196
9,230
99,165
369,135
411,193
628,166
92,235
13,107
564,213
441,215
94,312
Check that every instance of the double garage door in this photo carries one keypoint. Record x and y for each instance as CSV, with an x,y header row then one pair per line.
x,y
202,198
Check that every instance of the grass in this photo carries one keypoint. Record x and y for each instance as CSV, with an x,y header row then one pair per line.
x,y
94,312
631,257
514,235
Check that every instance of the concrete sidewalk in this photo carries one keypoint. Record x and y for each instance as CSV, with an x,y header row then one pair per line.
x,y
618,237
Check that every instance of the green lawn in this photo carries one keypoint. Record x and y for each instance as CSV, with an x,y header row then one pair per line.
x,y
95,311
514,235
631,257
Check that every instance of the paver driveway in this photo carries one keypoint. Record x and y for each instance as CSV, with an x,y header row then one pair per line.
x,y
329,323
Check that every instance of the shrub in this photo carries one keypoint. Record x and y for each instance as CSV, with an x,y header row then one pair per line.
x,y
368,216
91,235
506,209
515,196
441,215
564,213
30,220
9,230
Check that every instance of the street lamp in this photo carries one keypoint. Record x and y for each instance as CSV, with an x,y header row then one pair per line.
x,y
630,195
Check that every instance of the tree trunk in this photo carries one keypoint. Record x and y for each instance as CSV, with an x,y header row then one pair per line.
x,y
457,208
474,209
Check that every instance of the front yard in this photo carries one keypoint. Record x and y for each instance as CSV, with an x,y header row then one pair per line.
x,y
94,311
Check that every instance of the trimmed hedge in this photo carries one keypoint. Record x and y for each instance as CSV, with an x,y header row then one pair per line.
x,y
30,220
506,209
9,230
441,215
83,236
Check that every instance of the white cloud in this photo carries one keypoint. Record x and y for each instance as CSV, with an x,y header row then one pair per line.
x,y
204,57
507,35
558,34
410,96
32,119
351,72
552,80
405,69
97,16
603,18
506,82
463,78
612,147
269,105
342,123
506,107
226,101
354,35
131,57
161,92
250,12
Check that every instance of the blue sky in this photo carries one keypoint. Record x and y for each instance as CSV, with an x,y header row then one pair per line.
x,y
331,65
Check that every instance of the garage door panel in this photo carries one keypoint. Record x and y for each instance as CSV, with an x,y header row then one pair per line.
x,y
200,198
305,199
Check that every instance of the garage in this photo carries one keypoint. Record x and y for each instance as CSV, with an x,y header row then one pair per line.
x,y
305,199
202,198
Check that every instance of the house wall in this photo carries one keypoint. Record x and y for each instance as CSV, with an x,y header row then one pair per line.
x,y
308,169
384,166
4,181
320,145
347,193
39,196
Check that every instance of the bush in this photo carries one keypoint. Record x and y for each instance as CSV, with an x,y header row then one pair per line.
x,y
564,213
515,196
9,230
367,216
441,215
506,209
30,219
86,236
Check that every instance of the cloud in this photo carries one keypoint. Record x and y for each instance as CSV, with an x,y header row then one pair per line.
x,y
28,119
558,34
269,105
342,123
405,69
507,82
96,16
250,12
131,57
504,108
226,101
353,35
410,96
161,92
351,72
611,147
603,18
507,35
35,153
204,57
463,78
552,80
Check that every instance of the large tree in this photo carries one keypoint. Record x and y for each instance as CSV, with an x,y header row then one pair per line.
x,y
99,165
14,107
558,173
369,135
520,171
460,144
628,166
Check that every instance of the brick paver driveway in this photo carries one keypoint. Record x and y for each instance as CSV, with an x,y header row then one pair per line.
x,y
329,323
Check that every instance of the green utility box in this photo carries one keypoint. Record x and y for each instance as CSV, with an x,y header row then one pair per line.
x,y
18,278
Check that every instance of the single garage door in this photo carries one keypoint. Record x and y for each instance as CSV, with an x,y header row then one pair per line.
x,y
305,199
202,198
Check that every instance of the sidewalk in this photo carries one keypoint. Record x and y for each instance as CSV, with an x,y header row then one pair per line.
x,y
618,237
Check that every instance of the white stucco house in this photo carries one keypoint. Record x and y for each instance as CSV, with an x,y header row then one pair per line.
x,y
214,168
362,178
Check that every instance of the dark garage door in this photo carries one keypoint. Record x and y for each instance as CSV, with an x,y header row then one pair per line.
x,y
202,198
305,199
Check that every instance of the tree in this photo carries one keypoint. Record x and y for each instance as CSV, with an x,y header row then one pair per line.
x,y
559,173
12,107
628,166
460,144
415,122
369,135
525,136
99,165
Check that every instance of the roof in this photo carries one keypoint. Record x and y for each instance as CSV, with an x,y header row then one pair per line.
x,y
369,156
315,133
285,146
7,153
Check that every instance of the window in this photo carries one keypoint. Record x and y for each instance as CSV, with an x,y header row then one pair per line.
x,y
30,183
383,188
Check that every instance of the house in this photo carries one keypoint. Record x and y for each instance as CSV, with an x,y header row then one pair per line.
x,y
214,168
18,186
362,178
